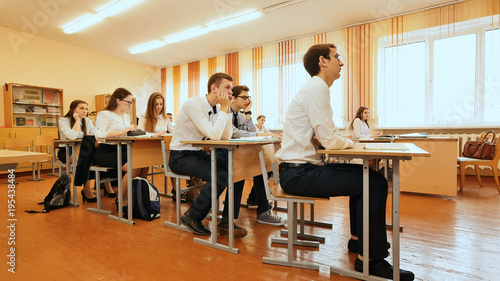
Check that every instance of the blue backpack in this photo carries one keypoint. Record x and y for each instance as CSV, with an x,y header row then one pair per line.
x,y
145,200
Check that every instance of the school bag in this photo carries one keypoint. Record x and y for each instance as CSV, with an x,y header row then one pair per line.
x,y
59,195
145,200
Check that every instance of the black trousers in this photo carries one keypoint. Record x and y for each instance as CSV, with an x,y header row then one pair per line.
x,y
345,180
258,193
198,164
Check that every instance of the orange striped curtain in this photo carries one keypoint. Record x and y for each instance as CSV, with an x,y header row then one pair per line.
x,y
163,79
287,61
194,79
212,66
358,69
176,73
232,67
257,89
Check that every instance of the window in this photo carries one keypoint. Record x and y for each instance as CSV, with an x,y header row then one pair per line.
x,y
431,81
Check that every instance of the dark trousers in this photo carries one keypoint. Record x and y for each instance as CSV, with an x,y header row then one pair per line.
x,y
258,193
198,164
345,180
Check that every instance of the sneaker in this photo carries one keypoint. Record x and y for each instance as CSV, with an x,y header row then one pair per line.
x,y
223,229
251,203
383,269
269,217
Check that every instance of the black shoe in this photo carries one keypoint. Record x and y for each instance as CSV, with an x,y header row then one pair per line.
x,y
223,229
110,195
352,246
383,269
252,203
90,200
195,226
124,209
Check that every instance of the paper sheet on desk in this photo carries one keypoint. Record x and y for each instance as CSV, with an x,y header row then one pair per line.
x,y
253,138
385,146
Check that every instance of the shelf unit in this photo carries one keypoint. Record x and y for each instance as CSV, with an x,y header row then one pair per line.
x,y
32,106
102,100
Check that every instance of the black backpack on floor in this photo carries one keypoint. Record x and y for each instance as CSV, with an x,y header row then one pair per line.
x,y
145,200
58,197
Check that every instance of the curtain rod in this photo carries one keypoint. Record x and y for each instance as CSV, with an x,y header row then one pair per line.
x,y
329,30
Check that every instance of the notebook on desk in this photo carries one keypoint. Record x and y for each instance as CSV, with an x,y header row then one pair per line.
x,y
385,146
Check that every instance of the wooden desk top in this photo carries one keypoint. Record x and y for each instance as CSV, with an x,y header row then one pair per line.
x,y
359,150
67,141
230,143
13,156
129,139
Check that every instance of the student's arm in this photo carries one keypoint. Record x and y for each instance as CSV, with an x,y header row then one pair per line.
x,y
103,120
66,130
170,127
320,115
200,120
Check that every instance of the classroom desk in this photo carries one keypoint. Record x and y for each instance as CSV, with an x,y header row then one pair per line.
x,y
141,152
436,174
243,163
396,156
14,156
72,144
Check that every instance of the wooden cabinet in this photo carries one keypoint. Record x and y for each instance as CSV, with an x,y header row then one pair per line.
x,y
32,106
102,100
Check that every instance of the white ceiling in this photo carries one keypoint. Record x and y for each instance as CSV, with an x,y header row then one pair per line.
x,y
155,19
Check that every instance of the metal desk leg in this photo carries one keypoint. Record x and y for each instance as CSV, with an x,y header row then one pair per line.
x,y
120,186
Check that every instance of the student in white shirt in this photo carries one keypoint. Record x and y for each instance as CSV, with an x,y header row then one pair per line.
x,y
155,120
200,118
259,127
243,127
302,171
75,125
114,121
359,125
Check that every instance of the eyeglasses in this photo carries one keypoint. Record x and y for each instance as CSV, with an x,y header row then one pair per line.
x,y
337,56
129,102
244,97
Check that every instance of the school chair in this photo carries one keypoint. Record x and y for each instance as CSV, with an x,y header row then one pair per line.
x,y
267,162
493,164
165,145
41,141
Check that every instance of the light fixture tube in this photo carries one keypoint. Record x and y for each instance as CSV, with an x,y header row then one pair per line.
x,y
197,31
234,21
147,47
103,13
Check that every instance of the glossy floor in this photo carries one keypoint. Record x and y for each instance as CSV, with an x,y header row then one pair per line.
x,y
443,239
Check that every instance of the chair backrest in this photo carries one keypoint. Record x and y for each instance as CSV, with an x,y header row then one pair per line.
x,y
14,143
41,141
268,162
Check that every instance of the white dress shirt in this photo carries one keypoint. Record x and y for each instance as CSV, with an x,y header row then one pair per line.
x,y
194,123
108,122
360,129
161,125
263,130
66,132
309,115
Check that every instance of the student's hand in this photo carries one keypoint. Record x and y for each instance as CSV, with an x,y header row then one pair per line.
x,y
130,128
248,107
223,98
278,136
76,116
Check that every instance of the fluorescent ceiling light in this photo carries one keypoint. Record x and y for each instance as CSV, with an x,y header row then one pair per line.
x,y
234,20
147,46
197,31
101,14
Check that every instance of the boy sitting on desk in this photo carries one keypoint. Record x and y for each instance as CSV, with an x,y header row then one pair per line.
x,y
202,118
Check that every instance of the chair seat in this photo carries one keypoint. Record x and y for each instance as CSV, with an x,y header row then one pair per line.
x,y
474,160
278,192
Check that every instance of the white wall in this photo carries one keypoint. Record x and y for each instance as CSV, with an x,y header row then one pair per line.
x,y
80,72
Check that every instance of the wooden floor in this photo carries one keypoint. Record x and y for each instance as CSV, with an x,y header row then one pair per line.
x,y
443,239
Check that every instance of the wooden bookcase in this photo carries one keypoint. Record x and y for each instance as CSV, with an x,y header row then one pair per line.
x,y
102,100
32,106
